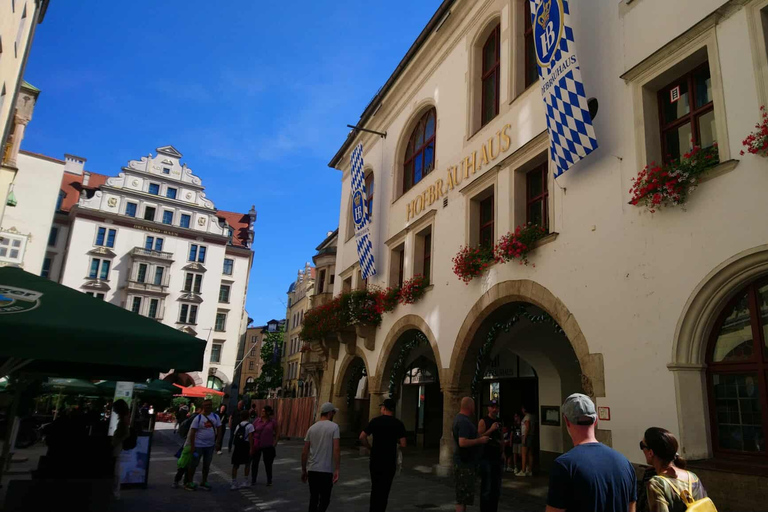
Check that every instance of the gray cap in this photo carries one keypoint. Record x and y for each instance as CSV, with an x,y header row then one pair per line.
x,y
579,409
328,407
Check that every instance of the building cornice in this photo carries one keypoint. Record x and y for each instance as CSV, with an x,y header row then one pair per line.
x,y
162,177
159,199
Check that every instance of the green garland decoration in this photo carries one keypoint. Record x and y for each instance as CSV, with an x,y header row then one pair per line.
x,y
398,368
484,356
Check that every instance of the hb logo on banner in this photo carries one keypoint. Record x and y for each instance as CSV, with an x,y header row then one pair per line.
x,y
571,134
360,215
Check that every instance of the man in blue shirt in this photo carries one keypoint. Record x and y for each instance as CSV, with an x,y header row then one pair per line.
x,y
591,477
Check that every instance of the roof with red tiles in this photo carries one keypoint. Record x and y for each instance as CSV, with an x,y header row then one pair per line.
x,y
239,222
72,186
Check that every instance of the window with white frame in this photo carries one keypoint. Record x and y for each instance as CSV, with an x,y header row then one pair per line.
x,y
154,305
193,282
20,33
152,243
482,219
149,213
170,193
216,353
185,220
188,314
12,247
221,322
423,253
159,274
154,189
228,266
224,290
53,236
168,217
130,209
136,305
141,273
99,269
197,253
46,270
105,237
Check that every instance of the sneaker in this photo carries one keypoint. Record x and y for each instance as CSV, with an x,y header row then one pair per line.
x,y
528,473
244,484
234,486
190,487
205,486
218,452
519,473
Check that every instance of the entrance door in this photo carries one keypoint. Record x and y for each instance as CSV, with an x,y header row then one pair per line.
x,y
433,415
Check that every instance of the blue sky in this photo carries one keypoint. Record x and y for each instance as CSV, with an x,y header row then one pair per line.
x,y
256,98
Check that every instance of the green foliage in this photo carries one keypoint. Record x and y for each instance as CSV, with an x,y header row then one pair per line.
x,y
271,370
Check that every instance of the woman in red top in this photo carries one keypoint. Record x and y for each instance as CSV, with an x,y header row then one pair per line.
x,y
264,441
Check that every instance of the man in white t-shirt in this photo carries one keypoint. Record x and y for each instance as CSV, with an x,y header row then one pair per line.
x,y
204,432
321,458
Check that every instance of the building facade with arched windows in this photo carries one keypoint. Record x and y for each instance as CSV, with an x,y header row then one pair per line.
x,y
659,316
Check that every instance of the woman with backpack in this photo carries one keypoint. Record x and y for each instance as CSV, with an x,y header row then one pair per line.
x,y
264,440
241,456
673,488
122,432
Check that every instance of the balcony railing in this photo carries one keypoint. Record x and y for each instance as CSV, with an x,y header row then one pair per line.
x,y
149,253
148,286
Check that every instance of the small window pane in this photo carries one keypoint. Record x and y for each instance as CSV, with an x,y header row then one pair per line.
x,y
105,269
418,168
707,130
185,219
142,275
678,142
486,211
535,213
762,305
734,342
489,98
534,183
703,84
159,276
154,189
409,150
429,158
420,135
167,217
430,126
170,193
673,110
489,52
738,413
532,71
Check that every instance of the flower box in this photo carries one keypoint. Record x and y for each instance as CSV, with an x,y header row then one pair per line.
x,y
757,141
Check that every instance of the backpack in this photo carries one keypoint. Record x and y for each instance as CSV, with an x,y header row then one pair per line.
x,y
686,496
184,427
129,443
240,438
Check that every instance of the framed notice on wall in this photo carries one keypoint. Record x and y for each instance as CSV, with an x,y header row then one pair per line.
x,y
550,415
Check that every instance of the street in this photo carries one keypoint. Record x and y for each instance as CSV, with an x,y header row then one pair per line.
x,y
411,491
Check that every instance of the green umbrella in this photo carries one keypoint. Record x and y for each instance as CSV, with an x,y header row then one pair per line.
x,y
70,386
53,330
155,387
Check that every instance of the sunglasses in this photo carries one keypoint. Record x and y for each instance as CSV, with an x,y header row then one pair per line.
x,y
643,446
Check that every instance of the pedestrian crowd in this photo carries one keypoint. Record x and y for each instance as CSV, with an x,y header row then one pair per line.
x,y
203,432
589,477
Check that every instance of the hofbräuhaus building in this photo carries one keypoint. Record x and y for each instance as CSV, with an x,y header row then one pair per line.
x,y
659,315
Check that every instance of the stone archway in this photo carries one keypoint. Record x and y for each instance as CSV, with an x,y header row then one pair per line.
x,y
458,376
689,347
350,415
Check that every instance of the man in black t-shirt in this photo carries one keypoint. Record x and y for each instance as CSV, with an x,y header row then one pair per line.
x,y
388,432
492,461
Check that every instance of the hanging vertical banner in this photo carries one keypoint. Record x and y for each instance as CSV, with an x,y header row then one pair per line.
x,y
571,134
360,214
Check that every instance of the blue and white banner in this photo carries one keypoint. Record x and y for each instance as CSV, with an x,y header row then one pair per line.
x,y
571,134
360,214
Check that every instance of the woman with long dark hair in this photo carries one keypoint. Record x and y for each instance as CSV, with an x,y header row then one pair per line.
x,y
264,441
121,433
672,482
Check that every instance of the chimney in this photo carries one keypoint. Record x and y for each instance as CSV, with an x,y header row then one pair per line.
x,y
74,164
86,178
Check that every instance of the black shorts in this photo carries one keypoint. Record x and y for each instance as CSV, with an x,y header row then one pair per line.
x,y
241,456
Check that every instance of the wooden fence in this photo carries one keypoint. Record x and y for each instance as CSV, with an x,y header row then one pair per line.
x,y
294,415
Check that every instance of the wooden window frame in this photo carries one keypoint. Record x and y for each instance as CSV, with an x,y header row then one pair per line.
x,y
401,268
693,115
489,224
758,365
491,72
418,152
369,193
528,36
530,200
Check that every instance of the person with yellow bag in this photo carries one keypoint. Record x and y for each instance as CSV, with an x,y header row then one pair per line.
x,y
673,489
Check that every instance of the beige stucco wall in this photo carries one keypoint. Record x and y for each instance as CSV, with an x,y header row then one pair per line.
x,y
624,274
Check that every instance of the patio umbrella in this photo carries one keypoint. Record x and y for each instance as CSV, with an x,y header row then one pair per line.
x,y
53,330
155,387
198,391
71,386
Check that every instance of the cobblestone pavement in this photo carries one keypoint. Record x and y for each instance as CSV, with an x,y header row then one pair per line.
x,y
412,490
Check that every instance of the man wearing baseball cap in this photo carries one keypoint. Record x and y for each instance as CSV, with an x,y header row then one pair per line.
x,y
388,432
591,476
321,458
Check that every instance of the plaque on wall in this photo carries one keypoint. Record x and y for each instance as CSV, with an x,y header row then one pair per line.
x,y
550,415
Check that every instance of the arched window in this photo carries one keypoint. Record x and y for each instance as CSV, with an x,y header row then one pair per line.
x,y
737,367
491,75
215,383
420,152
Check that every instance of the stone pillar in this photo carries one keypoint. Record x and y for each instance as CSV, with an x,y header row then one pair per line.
x,y
20,126
451,402
376,398
325,391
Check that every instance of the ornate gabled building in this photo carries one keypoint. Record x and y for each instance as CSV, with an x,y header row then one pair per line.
x,y
300,294
149,240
